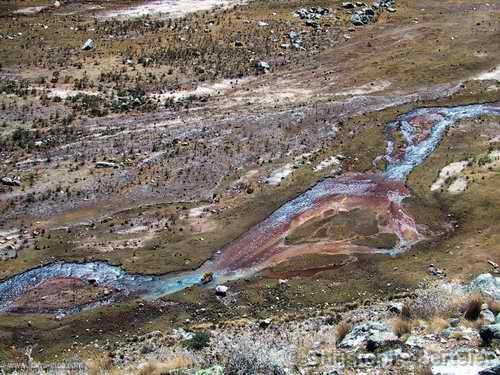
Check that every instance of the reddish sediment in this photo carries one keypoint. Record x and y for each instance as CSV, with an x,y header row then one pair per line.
x,y
265,245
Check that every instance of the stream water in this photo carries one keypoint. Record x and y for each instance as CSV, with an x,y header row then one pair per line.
x,y
421,131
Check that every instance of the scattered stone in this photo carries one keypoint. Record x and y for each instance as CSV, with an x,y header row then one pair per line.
x,y
105,164
16,181
88,45
347,5
312,13
262,66
435,271
215,370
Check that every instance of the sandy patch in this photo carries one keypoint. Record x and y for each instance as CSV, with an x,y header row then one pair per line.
x,y
30,10
332,161
450,170
171,8
279,175
458,186
369,88
214,89
492,75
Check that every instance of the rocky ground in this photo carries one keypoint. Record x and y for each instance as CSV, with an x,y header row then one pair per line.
x,y
443,328
155,141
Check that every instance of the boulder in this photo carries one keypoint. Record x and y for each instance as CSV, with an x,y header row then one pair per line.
x,y
356,20
88,45
487,316
347,5
376,333
495,370
490,332
486,284
395,307
221,290
265,323
11,181
262,66
380,339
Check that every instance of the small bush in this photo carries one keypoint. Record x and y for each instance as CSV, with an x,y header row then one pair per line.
x,y
342,329
401,327
199,341
406,312
472,308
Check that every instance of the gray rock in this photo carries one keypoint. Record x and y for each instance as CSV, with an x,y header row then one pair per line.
x,y
486,284
487,315
88,45
347,5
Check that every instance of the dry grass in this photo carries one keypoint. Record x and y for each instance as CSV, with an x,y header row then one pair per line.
x,y
99,365
423,370
401,327
437,324
342,329
158,368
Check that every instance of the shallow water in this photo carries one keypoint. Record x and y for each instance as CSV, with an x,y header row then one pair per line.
x,y
421,129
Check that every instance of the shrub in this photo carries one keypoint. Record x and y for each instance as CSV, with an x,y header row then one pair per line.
x,y
199,341
434,302
247,358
